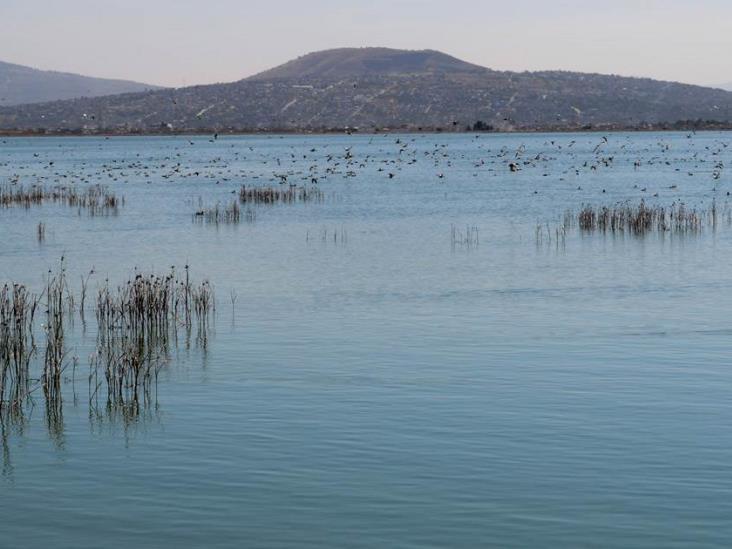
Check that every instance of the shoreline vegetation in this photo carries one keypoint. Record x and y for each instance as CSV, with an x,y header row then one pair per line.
x,y
476,128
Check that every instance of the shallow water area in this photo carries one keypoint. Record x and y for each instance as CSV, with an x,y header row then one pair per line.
x,y
423,357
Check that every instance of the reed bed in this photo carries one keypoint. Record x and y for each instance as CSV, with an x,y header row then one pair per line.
x,y
58,298
137,321
230,214
138,324
642,219
638,220
129,363
17,312
94,200
280,195
19,195
153,303
17,344
469,237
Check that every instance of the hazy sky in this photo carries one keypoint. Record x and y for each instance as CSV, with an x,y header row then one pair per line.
x,y
182,42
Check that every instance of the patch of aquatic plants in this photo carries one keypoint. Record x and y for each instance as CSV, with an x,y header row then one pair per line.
x,y
153,302
280,195
94,200
126,363
17,344
336,235
643,219
637,220
469,237
136,323
59,302
229,214
557,235
17,312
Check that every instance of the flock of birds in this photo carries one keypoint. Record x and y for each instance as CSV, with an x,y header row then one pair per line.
x,y
311,161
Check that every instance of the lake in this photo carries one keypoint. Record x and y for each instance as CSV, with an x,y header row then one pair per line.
x,y
423,355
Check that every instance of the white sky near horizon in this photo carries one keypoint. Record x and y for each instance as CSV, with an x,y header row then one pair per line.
x,y
186,42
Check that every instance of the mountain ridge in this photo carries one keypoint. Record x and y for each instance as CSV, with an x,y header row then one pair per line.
x,y
378,88
20,84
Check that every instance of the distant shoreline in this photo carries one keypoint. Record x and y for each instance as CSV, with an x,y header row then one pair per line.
x,y
675,127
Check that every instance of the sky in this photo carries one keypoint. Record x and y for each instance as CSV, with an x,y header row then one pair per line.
x,y
186,42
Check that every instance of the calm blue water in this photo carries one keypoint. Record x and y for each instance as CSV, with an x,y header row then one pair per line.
x,y
390,388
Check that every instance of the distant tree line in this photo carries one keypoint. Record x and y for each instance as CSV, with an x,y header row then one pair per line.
x,y
480,126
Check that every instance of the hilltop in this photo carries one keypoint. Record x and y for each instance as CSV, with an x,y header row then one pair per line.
x,y
20,84
365,62
379,88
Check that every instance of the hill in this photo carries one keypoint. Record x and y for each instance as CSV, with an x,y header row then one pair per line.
x,y
363,62
19,85
378,88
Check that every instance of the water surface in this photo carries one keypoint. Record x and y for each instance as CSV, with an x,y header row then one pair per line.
x,y
390,387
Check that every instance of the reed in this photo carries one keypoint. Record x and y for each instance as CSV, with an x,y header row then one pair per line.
x,y
280,195
17,346
231,213
129,363
336,235
228,214
137,325
84,285
469,238
41,232
233,296
19,195
145,303
137,321
557,235
58,298
642,219
94,200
